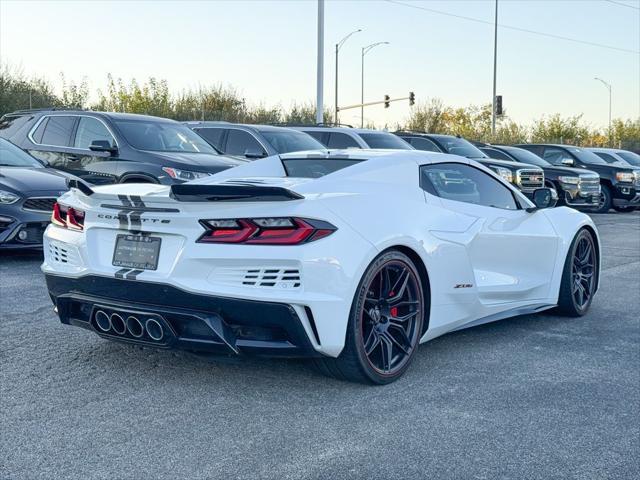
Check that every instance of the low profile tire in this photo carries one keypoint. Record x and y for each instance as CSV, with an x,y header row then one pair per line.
x,y
624,209
605,202
385,323
579,276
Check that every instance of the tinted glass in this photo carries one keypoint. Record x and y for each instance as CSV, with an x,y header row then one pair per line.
x,y
460,146
89,130
463,183
606,157
319,136
12,156
291,141
630,157
385,141
525,156
315,167
37,135
556,155
341,140
239,142
497,154
162,137
212,135
58,131
586,156
423,144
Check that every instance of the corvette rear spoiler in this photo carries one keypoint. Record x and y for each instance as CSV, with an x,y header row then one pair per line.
x,y
231,193
80,185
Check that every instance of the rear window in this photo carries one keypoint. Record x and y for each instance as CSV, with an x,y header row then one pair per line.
x,y
385,141
315,167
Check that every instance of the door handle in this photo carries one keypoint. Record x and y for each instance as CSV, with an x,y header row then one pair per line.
x,y
73,158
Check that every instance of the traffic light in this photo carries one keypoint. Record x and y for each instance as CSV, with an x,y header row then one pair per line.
x,y
412,98
498,104
386,101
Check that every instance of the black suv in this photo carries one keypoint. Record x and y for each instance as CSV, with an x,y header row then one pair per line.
x,y
576,187
620,185
253,141
525,176
104,147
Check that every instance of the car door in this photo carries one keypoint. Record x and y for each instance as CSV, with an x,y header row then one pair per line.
x,y
214,136
339,140
51,138
423,144
559,156
512,252
97,167
243,144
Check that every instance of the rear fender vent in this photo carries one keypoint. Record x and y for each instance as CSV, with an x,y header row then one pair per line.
x,y
286,278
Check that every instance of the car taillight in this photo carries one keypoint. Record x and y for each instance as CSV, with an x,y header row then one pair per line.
x,y
67,217
265,231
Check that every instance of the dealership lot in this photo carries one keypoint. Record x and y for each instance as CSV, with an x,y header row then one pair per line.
x,y
532,397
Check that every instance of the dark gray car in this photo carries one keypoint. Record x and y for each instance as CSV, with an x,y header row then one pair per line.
x,y
253,141
28,191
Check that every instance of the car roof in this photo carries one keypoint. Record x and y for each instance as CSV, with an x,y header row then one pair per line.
x,y
246,126
606,150
418,156
320,128
112,115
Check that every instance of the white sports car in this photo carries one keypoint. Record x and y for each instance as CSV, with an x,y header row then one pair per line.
x,y
351,258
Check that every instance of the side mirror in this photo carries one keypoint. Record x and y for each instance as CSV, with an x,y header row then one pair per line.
x,y
544,198
567,161
254,154
102,146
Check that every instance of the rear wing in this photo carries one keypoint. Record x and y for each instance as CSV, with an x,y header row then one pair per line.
x,y
80,185
231,193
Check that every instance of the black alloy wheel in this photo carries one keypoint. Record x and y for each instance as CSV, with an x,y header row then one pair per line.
x,y
580,275
385,323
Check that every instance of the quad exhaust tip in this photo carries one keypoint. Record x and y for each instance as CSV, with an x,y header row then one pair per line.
x,y
135,327
103,321
118,325
154,329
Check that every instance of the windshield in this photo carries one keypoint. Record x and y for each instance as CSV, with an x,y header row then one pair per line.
x,y
630,157
315,167
162,137
285,141
525,156
385,141
586,156
460,146
12,156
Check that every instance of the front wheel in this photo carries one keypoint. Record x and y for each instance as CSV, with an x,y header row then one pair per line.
x,y
385,323
605,200
579,276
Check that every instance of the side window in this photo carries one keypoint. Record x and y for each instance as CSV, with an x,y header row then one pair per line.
x,y
37,135
318,135
556,155
497,154
90,129
239,141
462,183
423,144
213,136
58,131
606,157
341,140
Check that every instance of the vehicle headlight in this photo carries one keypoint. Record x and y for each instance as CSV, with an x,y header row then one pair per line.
x,y
625,176
505,173
569,180
185,175
7,198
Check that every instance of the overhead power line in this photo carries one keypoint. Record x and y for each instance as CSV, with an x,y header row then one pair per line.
x,y
509,27
622,4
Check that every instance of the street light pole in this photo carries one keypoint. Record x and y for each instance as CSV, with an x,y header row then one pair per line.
x,y
608,85
338,47
495,67
320,65
365,50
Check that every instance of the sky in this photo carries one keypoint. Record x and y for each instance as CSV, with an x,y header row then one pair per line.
x,y
267,50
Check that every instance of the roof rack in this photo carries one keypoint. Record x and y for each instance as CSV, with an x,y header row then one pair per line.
x,y
328,125
43,109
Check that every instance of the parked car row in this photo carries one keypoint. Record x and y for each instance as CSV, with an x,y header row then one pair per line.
x,y
104,148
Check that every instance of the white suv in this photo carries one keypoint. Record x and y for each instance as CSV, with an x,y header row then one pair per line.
x,y
345,137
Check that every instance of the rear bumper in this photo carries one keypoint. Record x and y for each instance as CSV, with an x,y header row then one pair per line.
x,y
189,321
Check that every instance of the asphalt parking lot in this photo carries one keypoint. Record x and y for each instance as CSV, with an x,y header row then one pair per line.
x,y
532,397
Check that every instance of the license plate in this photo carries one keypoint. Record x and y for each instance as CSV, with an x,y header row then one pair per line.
x,y
136,251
